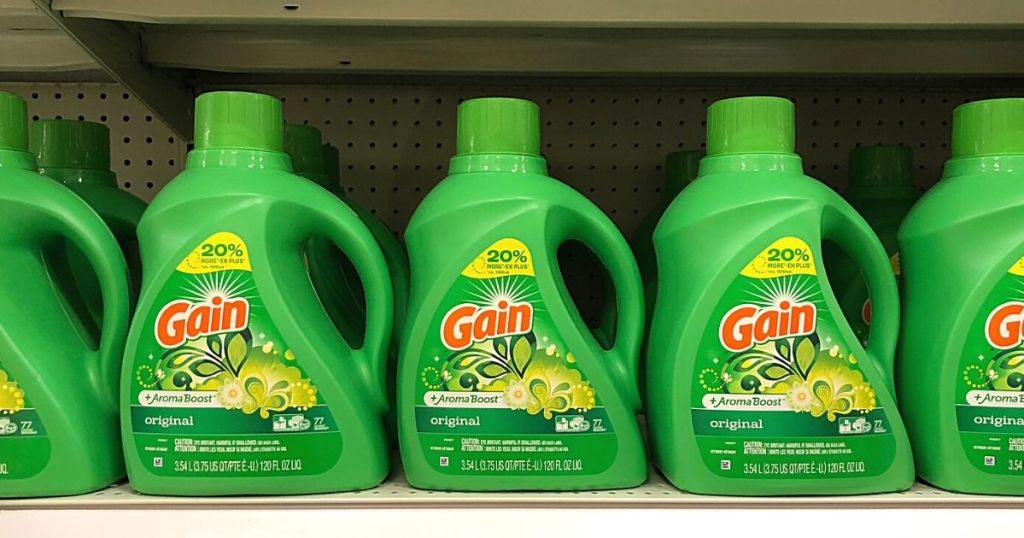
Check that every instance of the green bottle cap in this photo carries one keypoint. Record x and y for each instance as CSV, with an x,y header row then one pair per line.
x,y
991,127
332,164
82,145
681,168
751,125
238,120
305,145
13,122
498,125
881,166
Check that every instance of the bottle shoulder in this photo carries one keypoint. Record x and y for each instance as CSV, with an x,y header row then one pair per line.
x,y
24,186
713,196
112,201
958,200
202,184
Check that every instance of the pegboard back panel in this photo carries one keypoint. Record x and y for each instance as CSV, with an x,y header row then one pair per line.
x,y
609,142
144,153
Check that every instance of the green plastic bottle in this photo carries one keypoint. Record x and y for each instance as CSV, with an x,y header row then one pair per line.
x,y
58,394
501,384
394,252
235,380
962,248
329,269
756,383
77,153
680,169
881,188
333,274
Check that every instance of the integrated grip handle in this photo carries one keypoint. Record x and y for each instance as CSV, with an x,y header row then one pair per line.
x,y
344,228
853,234
84,228
593,228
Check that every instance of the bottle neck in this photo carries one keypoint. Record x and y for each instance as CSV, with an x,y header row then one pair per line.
x,y
21,160
251,159
989,164
80,176
498,162
786,163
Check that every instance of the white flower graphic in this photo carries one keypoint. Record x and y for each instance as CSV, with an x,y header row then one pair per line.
x,y
231,395
516,395
800,398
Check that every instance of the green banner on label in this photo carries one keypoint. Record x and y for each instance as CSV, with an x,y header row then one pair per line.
x,y
199,421
507,421
785,424
990,419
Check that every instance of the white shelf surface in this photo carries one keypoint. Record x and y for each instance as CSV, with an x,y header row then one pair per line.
x,y
396,493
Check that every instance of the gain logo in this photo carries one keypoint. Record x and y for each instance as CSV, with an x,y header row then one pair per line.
x,y
213,304
783,308
468,323
183,320
1004,328
747,324
499,308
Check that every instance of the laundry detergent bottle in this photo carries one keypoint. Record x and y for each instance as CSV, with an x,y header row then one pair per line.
x,y
334,277
390,245
680,169
881,188
58,390
501,384
961,362
77,153
756,383
329,269
235,380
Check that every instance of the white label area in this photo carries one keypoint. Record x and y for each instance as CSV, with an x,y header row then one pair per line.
x,y
995,398
440,398
174,398
745,402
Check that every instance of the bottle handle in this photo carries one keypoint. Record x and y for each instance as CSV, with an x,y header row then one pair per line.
x,y
592,227
853,234
86,231
344,228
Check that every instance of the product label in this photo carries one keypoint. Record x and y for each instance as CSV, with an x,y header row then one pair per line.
x,y
861,324
24,446
990,388
777,392
498,391
216,391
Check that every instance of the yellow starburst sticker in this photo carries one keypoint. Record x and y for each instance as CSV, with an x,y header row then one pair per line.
x,y
222,251
785,257
506,257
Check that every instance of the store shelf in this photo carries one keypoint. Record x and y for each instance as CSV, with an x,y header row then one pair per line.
x,y
162,51
638,13
396,493
601,38
33,47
